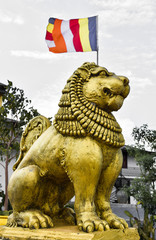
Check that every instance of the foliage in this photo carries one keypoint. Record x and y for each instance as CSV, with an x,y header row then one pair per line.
x,y
146,229
143,188
14,114
5,213
144,137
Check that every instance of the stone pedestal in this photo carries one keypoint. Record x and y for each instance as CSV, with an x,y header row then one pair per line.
x,y
66,233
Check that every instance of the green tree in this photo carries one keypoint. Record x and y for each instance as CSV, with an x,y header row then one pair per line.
x,y
14,115
144,137
143,189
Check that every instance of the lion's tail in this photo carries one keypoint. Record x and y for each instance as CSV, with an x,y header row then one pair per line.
x,y
33,131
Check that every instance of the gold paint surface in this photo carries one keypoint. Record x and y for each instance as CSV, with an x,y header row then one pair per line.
x,y
78,155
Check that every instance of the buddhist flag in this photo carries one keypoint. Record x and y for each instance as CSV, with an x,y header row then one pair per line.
x,y
74,35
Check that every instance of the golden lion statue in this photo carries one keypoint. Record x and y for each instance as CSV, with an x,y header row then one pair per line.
x,y
78,155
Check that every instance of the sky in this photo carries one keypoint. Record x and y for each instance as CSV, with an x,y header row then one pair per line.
x,y
127,46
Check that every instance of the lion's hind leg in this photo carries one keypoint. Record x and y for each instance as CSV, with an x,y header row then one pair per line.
x,y
26,192
30,219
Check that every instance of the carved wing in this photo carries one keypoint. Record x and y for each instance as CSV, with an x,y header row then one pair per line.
x,y
33,131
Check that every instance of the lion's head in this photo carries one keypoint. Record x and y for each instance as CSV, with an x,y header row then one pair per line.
x,y
106,91
88,99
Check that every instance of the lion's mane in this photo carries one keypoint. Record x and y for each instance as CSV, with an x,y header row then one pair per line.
x,y
77,117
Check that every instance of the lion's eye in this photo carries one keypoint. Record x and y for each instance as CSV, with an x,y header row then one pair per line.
x,y
106,91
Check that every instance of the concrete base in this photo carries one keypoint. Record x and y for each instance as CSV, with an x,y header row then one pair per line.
x,y
66,233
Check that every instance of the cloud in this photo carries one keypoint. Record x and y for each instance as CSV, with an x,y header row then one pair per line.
x,y
47,55
46,99
105,35
139,82
153,71
126,11
18,20
138,85
31,54
127,126
7,17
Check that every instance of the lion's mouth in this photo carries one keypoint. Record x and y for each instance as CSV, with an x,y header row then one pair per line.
x,y
111,94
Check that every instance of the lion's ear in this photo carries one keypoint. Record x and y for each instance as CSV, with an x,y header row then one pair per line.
x,y
84,72
100,71
97,70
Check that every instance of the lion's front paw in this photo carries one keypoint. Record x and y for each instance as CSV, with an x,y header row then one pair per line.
x,y
114,221
89,222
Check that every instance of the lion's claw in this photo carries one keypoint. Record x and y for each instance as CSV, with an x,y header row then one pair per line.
x,y
101,227
91,223
90,228
106,226
115,221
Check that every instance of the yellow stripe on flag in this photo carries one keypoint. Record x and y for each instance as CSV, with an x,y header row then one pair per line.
x,y
84,34
50,27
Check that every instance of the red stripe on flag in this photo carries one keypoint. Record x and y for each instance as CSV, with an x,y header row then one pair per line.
x,y
49,36
58,38
74,26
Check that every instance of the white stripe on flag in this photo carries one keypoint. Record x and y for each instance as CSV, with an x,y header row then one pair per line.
x,y
68,36
50,44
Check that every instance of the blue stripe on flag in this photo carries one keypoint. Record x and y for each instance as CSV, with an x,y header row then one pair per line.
x,y
93,32
52,20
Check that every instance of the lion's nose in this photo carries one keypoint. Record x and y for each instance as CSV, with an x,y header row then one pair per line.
x,y
125,80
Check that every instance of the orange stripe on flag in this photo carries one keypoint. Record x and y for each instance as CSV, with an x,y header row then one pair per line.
x,y
58,38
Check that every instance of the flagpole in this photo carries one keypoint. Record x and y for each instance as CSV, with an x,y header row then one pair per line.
x,y
97,51
97,56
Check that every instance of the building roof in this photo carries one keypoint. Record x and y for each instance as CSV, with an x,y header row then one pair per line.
x,y
131,172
